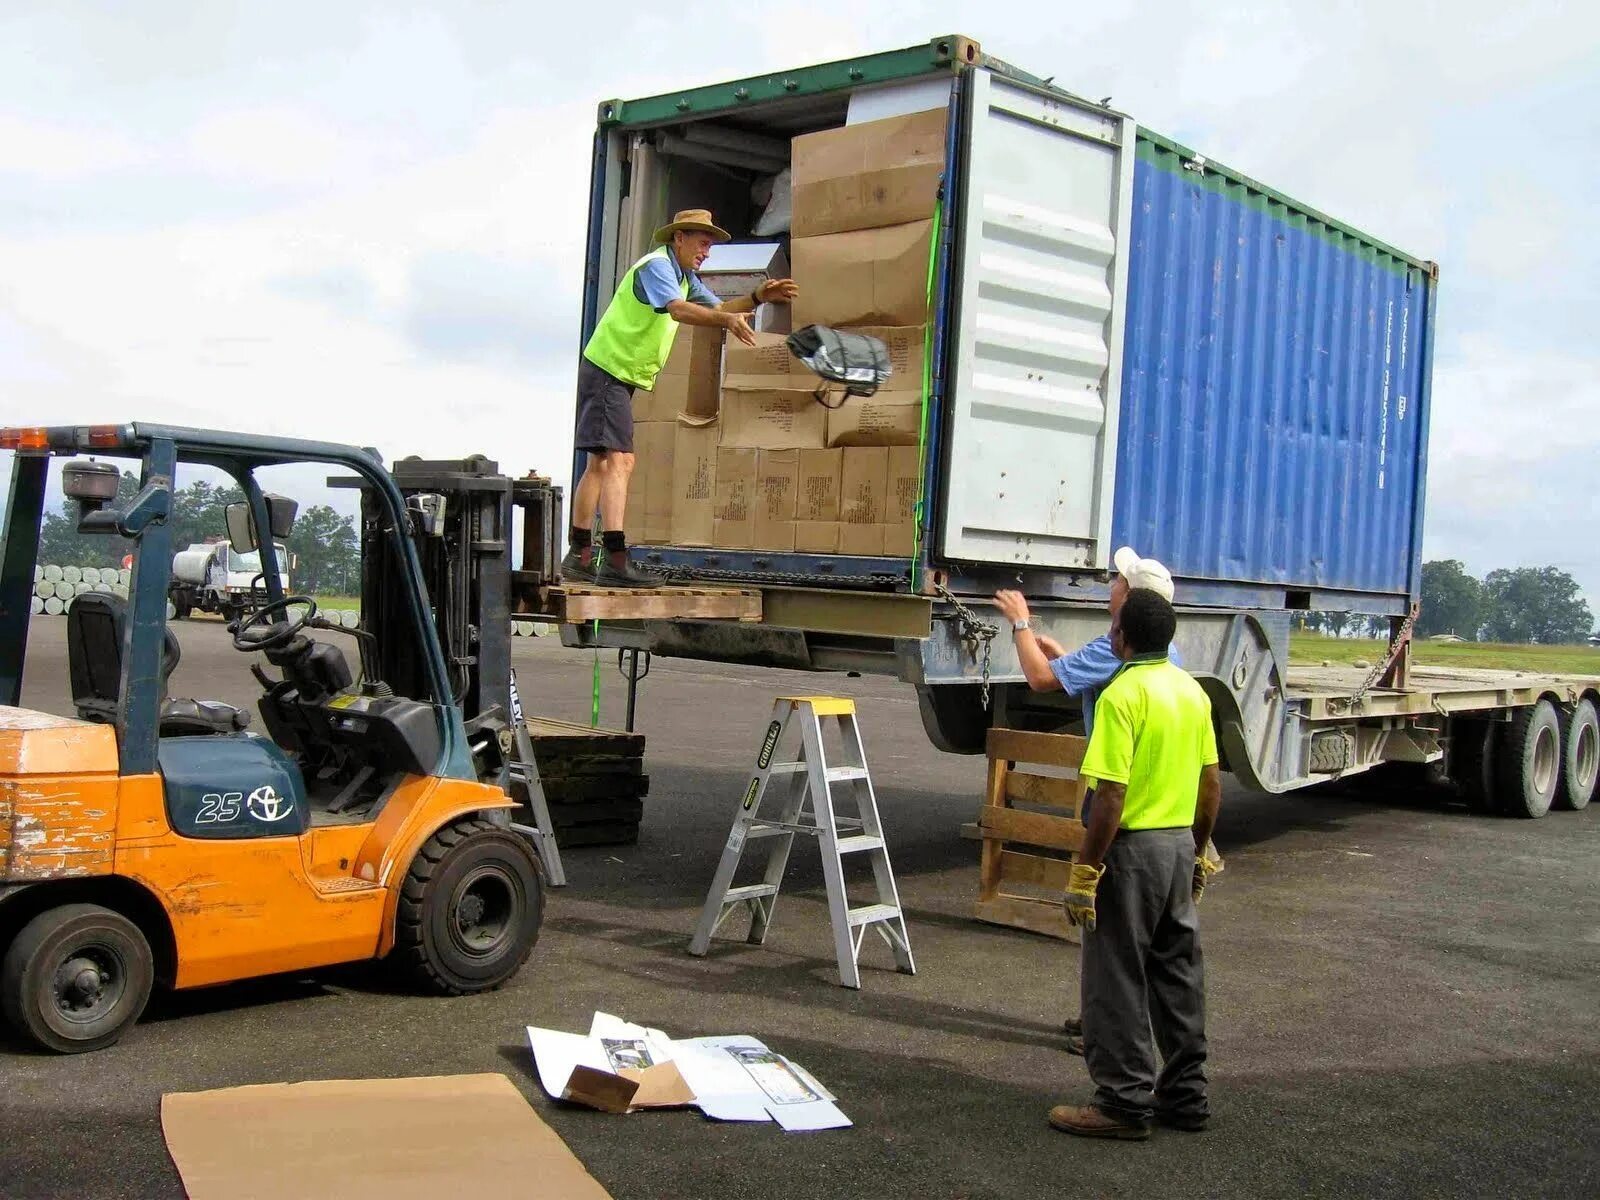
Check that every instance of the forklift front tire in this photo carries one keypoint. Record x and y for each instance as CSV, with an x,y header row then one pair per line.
x,y
76,978
470,909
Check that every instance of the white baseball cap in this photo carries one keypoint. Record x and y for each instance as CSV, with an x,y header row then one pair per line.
x,y
1143,572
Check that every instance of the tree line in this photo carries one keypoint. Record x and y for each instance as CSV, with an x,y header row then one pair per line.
x,y
327,553
1521,605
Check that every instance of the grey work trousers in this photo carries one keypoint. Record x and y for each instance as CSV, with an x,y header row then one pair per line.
x,y
1142,971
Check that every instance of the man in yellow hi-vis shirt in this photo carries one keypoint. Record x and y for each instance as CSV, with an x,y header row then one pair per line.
x,y
1153,759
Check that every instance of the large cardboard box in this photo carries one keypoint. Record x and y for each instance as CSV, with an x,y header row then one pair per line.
x,y
816,537
759,416
768,357
694,482
735,524
868,175
864,277
777,493
688,382
817,495
863,497
905,484
649,517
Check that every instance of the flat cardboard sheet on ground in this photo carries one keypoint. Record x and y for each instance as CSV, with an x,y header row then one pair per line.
x,y
387,1139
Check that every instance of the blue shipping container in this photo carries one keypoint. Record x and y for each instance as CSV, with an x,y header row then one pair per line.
x,y
1274,394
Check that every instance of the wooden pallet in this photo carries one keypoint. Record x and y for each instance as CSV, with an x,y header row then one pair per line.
x,y
1021,888
577,603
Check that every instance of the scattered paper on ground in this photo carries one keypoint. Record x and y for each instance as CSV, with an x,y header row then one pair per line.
x,y
383,1139
622,1067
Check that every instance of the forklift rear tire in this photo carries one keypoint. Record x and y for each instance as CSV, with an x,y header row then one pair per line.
x,y
76,978
470,909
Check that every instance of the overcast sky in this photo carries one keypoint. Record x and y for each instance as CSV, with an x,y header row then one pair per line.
x,y
364,221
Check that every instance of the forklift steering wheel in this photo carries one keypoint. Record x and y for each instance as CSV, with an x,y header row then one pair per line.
x,y
257,634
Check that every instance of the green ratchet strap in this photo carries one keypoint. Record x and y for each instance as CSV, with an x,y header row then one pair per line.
x,y
927,388
594,705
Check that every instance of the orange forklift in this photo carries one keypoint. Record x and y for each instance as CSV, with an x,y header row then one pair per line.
x,y
151,839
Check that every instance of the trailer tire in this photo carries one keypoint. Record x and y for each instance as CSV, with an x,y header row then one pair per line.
x,y
954,718
1580,756
1472,747
1529,761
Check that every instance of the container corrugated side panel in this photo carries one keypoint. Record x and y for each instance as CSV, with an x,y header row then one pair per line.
x,y
1274,375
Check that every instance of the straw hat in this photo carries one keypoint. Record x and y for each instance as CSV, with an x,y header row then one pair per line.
x,y
698,219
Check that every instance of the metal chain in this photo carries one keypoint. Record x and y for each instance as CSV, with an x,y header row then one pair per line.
x,y
978,634
1396,646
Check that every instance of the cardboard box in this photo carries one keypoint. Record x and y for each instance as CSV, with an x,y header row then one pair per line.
x,y
768,357
864,277
886,419
816,537
688,383
866,176
649,516
776,498
735,523
764,417
817,495
863,499
904,485
694,481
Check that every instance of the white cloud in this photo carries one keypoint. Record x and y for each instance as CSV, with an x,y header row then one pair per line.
x,y
54,151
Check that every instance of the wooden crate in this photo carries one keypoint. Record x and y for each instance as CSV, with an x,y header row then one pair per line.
x,y
1030,829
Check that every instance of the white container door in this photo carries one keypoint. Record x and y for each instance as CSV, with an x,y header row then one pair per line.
x,y
1042,246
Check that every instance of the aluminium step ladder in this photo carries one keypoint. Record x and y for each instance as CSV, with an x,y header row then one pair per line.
x,y
809,808
523,773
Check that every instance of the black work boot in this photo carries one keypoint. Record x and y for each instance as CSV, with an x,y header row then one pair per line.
x,y
615,570
574,567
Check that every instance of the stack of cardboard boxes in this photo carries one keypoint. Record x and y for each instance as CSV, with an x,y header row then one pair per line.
x,y
735,446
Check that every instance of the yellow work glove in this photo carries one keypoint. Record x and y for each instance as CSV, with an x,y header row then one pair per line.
x,y
1078,900
1206,864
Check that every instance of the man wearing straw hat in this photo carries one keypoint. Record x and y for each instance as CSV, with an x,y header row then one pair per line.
x,y
627,350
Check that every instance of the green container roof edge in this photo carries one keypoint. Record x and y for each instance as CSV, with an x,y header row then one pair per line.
x,y
946,55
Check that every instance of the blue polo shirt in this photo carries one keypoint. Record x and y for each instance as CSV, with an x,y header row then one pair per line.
x,y
659,281
1089,668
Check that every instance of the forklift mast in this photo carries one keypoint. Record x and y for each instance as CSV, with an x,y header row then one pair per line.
x,y
461,517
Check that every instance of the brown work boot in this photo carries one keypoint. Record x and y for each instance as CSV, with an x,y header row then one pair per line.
x,y
1086,1120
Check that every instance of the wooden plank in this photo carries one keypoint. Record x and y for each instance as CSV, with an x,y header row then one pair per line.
x,y
1035,916
1025,788
989,856
1017,867
1036,829
1019,745
579,603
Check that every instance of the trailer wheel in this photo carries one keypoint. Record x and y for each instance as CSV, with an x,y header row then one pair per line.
x,y
1472,747
76,978
1580,756
470,909
1529,761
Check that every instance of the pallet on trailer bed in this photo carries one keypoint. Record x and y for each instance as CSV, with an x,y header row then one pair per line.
x,y
576,603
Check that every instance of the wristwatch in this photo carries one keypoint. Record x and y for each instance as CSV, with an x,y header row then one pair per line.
x,y
1019,626
755,295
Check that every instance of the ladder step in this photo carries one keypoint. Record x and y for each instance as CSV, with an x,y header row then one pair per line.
x,y
794,768
859,843
868,913
846,774
753,891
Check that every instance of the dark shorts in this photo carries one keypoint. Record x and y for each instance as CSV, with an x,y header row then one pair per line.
x,y
605,410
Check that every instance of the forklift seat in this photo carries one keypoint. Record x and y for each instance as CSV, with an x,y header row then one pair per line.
x,y
95,625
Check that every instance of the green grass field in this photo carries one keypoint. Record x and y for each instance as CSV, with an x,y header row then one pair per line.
x,y
1558,660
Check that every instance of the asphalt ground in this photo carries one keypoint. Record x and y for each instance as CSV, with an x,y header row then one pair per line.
x,y
1404,998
